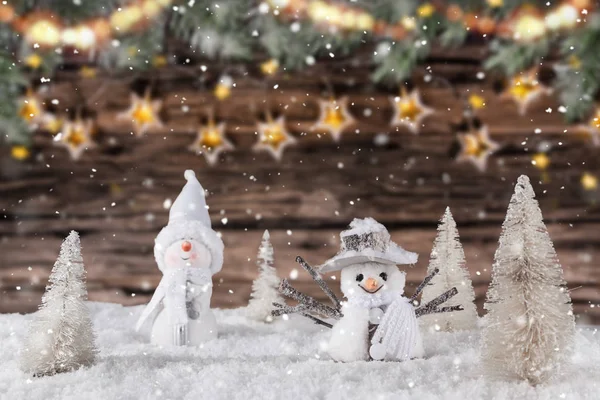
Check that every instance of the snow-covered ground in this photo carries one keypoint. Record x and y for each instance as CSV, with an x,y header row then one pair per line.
x,y
283,360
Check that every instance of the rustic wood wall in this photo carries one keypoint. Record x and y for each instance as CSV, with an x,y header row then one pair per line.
x,y
114,196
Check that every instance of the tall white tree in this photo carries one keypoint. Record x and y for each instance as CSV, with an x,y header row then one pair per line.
x,y
61,337
529,329
264,287
448,256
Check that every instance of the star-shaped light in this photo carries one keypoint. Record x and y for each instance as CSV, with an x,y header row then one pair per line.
x,y
589,182
19,153
51,123
475,147
143,113
273,137
334,117
31,109
222,89
524,89
76,136
409,110
269,67
541,161
476,102
211,141
34,61
592,128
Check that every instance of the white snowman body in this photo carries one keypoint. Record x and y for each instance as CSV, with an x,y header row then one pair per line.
x,y
201,326
369,287
188,252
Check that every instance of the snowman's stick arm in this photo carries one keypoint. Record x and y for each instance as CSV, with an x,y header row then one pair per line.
x,y
322,284
311,304
433,304
426,281
438,310
317,320
285,309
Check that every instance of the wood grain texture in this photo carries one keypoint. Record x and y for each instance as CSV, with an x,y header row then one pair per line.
x,y
116,194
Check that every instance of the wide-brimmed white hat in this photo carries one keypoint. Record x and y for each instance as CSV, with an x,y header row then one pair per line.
x,y
367,240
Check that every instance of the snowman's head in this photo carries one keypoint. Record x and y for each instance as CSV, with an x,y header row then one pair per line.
x,y
371,278
187,253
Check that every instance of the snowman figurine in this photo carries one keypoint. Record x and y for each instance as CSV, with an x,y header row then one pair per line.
x,y
378,322
188,253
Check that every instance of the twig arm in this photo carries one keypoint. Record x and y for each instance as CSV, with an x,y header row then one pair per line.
x,y
311,304
425,311
432,306
322,284
425,282
300,309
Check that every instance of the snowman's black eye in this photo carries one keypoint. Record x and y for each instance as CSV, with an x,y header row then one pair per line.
x,y
359,277
383,276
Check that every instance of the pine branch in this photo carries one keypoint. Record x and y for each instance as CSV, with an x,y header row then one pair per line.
x,y
427,279
311,304
322,284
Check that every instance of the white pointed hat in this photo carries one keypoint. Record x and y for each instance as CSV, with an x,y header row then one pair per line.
x,y
367,240
191,202
189,219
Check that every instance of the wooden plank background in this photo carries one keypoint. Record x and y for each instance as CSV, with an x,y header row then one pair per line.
x,y
115,195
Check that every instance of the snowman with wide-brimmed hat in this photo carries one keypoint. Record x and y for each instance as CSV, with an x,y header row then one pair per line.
x,y
378,322
188,253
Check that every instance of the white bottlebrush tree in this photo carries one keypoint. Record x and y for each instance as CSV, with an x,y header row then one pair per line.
x,y
61,336
448,256
529,329
264,287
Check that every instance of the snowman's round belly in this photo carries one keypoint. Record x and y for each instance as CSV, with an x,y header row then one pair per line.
x,y
200,330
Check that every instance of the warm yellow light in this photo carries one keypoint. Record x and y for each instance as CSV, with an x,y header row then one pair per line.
x,y
529,28
541,161
19,152
44,33
126,18
589,181
85,38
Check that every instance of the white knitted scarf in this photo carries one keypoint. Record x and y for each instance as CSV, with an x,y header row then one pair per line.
x,y
372,300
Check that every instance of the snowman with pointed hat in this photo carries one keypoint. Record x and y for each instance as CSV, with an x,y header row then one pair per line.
x,y
188,253
378,322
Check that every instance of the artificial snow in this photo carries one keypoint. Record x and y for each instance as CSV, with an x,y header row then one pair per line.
x,y
282,360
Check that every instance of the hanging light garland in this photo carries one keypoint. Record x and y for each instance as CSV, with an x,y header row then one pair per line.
x,y
46,30
527,23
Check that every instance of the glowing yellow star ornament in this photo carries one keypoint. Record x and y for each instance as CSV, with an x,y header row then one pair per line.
x,y
143,113
76,137
589,182
31,109
273,137
211,141
592,128
334,117
524,89
409,110
476,147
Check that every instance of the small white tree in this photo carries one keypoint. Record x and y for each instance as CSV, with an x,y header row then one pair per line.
x,y
448,256
264,287
61,337
529,328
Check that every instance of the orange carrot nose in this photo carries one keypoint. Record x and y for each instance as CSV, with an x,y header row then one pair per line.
x,y
186,246
371,284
